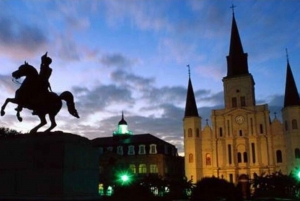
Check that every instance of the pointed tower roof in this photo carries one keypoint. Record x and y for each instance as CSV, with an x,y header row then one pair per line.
x,y
237,63
122,121
291,96
190,106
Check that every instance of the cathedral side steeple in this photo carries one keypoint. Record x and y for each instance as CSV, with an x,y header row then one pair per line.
x,y
237,62
190,106
291,96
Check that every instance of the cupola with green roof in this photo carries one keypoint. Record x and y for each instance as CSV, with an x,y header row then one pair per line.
x,y
122,128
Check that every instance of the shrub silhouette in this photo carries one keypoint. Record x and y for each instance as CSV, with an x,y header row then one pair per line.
x,y
213,189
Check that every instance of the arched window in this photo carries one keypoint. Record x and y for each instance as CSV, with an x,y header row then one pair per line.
x,y
239,157
278,156
191,158
142,168
297,153
190,132
132,168
294,124
208,159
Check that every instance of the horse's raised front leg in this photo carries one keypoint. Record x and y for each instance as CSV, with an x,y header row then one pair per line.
x,y
12,100
53,123
43,122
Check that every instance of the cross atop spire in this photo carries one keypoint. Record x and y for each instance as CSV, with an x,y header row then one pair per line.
x,y
287,55
232,8
189,70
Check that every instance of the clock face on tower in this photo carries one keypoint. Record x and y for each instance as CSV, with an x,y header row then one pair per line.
x,y
239,119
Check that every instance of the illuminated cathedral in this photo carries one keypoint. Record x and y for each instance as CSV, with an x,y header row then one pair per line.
x,y
242,140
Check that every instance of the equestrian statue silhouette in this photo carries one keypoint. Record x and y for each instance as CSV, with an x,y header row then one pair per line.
x,y
35,94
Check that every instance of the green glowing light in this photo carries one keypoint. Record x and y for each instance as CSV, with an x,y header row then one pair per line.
x,y
298,174
125,178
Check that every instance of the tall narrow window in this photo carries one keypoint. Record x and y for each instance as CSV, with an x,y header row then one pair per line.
x,y
286,125
245,157
228,127
297,153
294,124
261,129
221,132
240,133
231,178
191,158
153,149
142,149
131,150
251,126
239,157
197,132
190,132
234,102
278,156
208,159
253,152
229,154
243,101
120,150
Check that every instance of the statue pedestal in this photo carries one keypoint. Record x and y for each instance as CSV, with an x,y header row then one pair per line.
x,y
48,166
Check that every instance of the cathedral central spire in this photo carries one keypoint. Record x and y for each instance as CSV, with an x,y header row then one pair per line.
x,y
237,63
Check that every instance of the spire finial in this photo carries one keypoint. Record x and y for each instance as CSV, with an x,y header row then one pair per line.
x,y
189,70
122,114
287,54
206,121
275,114
232,8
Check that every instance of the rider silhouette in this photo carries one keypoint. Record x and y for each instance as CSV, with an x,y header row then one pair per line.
x,y
44,75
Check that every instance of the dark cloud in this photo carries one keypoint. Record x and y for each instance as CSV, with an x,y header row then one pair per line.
x,y
131,80
116,60
97,99
20,35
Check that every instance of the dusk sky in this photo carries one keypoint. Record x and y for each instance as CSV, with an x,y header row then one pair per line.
x,y
131,56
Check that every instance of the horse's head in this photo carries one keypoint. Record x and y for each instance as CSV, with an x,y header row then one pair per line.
x,y
25,70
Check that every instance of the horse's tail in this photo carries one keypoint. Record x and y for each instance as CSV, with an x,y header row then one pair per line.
x,y
68,97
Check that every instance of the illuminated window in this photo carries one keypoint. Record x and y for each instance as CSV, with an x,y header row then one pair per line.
x,y
297,153
294,124
153,149
234,102
142,168
208,159
132,168
190,132
153,168
131,150
278,156
191,158
142,149
120,150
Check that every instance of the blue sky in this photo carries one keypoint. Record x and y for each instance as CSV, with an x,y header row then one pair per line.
x,y
131,56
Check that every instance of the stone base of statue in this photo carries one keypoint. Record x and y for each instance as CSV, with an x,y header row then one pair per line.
x,y
48,166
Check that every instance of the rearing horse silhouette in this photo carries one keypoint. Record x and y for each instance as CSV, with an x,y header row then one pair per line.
x,y
30,96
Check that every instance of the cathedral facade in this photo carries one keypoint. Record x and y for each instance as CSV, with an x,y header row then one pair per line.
x,y
242,140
